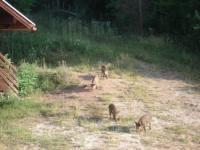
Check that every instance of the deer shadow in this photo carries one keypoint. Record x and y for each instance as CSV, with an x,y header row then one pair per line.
x,y
73,89
95,119
86,77
118,128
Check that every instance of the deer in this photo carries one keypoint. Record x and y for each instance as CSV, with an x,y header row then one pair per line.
x,y
113,111
104,71
95,82
143,122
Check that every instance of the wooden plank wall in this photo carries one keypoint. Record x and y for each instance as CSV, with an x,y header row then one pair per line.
x,y
8,79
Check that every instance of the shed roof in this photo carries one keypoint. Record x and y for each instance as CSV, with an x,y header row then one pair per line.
x,y
13,20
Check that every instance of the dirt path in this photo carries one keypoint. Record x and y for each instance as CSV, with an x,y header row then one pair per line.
x,y
167,88
173,101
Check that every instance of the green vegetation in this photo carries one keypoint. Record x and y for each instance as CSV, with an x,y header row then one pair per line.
x,y
32,78
178,20
10,112
27,78
51,79
13,111
88,37
74,43
79,38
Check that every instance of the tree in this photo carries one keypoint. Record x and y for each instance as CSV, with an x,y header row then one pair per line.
x,y
23,5
140,16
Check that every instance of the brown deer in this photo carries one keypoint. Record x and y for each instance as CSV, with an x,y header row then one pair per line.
x,y
143,121
95,82
113,111
104,71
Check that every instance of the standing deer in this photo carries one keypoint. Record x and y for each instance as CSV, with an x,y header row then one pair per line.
x,y
95,82
104,71
113,111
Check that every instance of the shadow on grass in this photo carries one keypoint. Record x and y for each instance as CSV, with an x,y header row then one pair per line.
x,y
96,119
86,77
118,128
50,113
190,89
73,89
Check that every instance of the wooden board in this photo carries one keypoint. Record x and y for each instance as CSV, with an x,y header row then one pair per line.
x,y
3,86
8,79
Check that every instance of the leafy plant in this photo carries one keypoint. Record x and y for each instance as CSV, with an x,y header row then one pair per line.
x,y
27,78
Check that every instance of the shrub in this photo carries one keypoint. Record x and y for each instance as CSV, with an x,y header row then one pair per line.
x,y
27,79
51,79
4,99
47,81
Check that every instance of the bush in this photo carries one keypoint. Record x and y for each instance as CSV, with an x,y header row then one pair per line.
x,y
47,81
51,79
4,100
32,78
27,78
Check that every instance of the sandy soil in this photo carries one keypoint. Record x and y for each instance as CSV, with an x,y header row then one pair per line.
x,y
173,101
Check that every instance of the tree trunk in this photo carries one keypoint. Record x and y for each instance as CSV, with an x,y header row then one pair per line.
x,y
140,17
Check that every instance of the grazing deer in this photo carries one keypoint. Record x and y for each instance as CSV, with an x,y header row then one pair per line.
x,y
104,71
95,82
143,121
113,111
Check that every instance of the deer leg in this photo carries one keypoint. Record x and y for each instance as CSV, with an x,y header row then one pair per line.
x,y
149,126
110,114
94,87
144,128
114,116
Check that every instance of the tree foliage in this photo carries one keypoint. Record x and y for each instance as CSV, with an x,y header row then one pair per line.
x,y
177,18
24,5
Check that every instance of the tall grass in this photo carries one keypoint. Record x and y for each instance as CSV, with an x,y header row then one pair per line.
x,y
77,42
56,39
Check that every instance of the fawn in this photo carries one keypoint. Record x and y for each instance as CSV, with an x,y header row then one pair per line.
x,y
113,111
104,71
95,82
143,121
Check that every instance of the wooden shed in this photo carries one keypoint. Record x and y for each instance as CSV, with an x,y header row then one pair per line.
x,y
11,20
